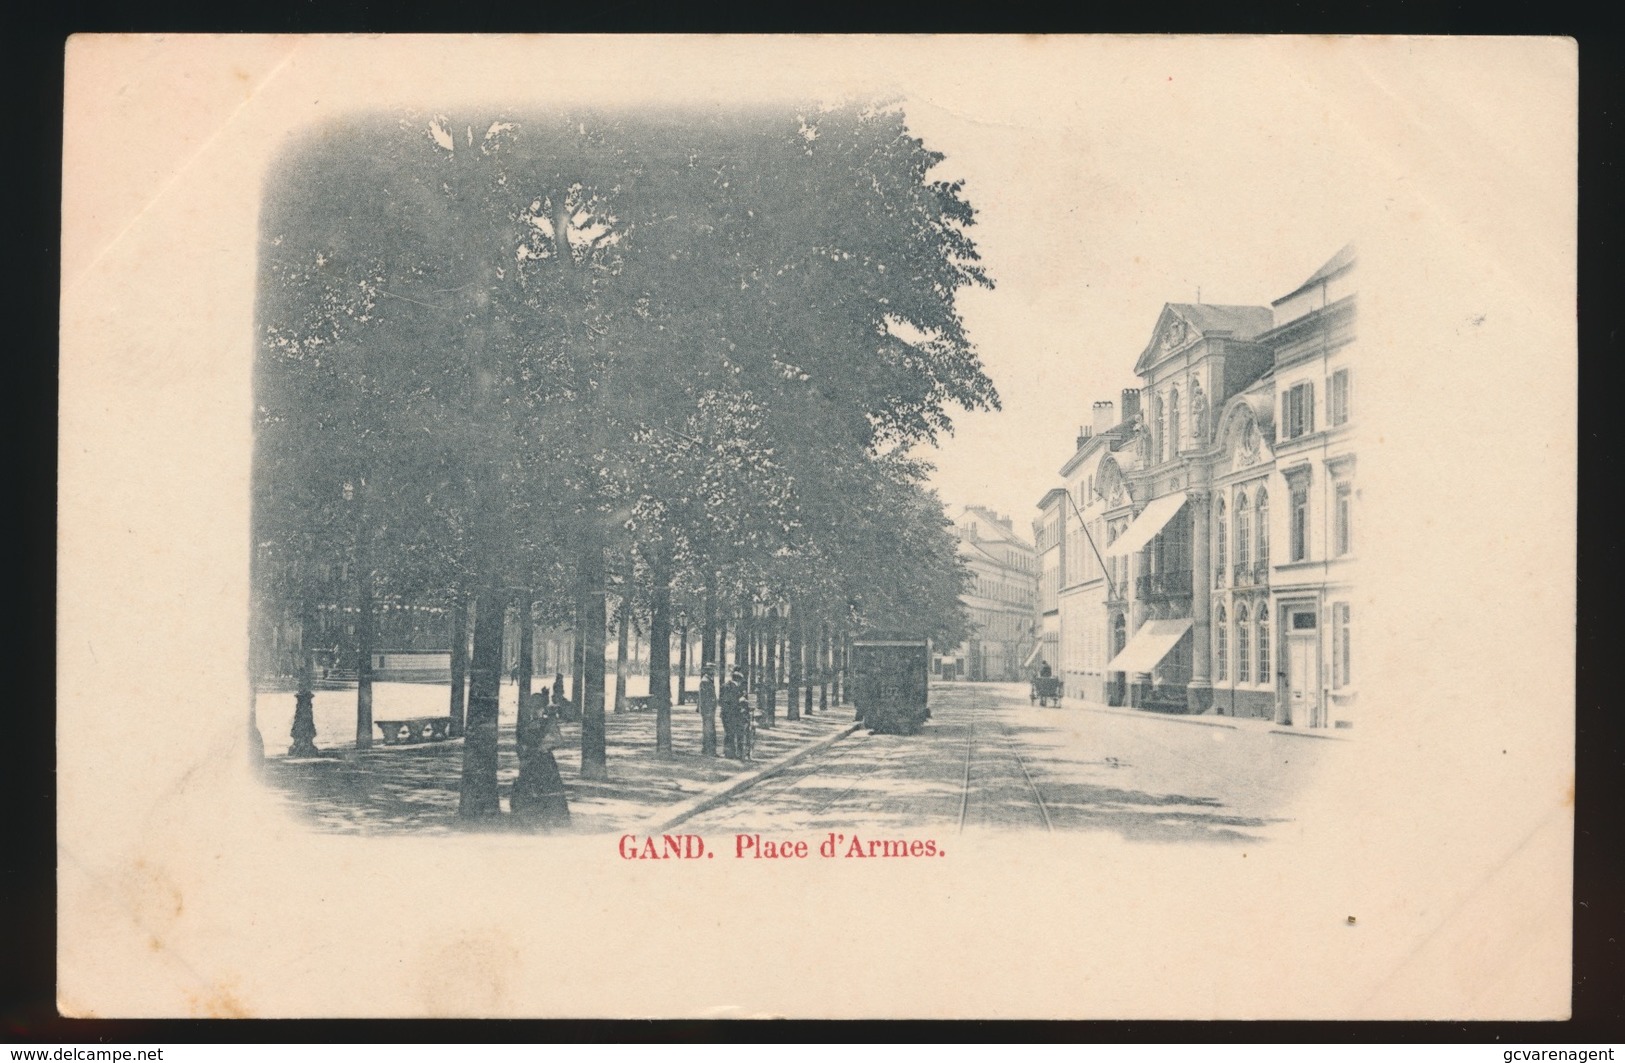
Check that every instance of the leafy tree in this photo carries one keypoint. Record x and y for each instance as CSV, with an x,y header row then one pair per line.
x,y
706,342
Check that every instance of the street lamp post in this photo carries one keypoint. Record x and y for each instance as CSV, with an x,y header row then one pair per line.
x,y
361,556
304,715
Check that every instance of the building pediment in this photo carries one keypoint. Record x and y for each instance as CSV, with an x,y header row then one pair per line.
x,y
1173,332
1180,325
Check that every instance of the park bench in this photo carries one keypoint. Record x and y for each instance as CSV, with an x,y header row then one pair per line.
x,y
415,729
638,703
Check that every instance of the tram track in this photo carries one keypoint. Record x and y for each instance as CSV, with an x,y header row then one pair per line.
x,y
1010,748
1043,809
970,747
902,779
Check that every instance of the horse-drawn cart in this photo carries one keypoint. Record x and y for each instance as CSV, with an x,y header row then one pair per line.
x,y
1046,690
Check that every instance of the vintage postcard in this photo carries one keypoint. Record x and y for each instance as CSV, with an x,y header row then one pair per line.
x,y
822,527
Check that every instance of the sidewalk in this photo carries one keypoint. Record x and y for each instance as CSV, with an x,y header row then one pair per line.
x,y
414,788
1233,723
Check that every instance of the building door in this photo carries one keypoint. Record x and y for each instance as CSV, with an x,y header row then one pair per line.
x,y
1303,671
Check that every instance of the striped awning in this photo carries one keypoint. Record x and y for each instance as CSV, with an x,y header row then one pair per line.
x,y
1152,519
1149,646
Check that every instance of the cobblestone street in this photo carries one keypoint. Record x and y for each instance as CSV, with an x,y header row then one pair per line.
x,y
990,760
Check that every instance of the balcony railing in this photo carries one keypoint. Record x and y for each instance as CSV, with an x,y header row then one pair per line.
x,y
1162,585
1172,584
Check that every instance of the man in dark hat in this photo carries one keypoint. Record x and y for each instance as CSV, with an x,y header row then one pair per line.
x,y
707,706
733,715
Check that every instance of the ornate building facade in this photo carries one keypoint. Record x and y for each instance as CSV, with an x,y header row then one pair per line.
x,y
1220,512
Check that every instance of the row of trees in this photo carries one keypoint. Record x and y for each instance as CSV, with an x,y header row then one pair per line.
x,y
680,359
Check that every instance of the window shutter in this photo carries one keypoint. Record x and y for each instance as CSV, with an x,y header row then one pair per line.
x,y
1308,408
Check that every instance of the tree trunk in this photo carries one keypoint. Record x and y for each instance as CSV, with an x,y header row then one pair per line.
x,y
479,796
594,763
810,649
363,659
623,614
846,670
682,663
660,660
527,646
823,667
708,629
769,698
838,653
459,660
793,652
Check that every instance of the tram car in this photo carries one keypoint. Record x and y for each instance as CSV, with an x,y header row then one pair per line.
x,y
891,684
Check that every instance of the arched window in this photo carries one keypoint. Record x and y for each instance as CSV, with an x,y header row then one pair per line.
x,y
1221,644
1220,553
1244,673
1243,529
1263,643
1262,505
1173,423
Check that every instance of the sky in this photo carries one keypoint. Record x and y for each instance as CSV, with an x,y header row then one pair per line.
x,y
1100,198
1110,175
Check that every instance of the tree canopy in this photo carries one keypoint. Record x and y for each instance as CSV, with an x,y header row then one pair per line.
x,y
712,340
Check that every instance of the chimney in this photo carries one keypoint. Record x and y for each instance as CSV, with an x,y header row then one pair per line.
x,y
1084,431
1005,523
1104,414
1131,404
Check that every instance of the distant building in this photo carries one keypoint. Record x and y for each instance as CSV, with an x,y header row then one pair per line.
x,y
1001,600
1048,542
1203,544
